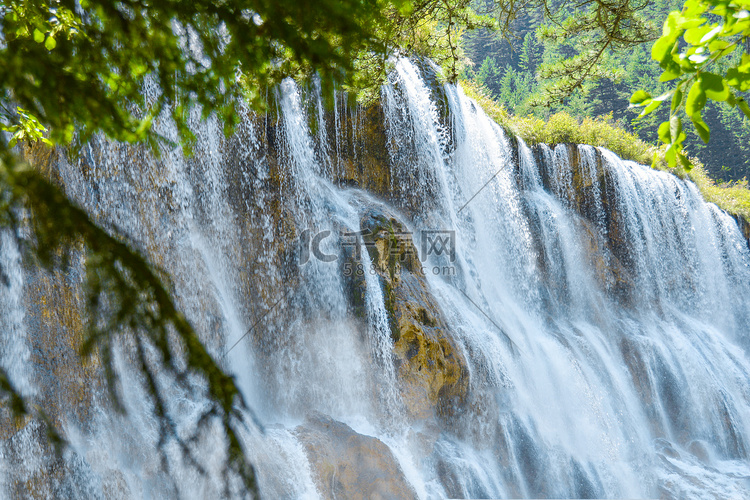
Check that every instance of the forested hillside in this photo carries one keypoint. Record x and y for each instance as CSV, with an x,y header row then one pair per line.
x,y
513,68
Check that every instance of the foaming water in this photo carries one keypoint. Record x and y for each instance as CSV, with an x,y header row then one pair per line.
x,y
601,309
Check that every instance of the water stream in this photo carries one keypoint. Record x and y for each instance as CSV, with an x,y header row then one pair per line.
x,y
602,308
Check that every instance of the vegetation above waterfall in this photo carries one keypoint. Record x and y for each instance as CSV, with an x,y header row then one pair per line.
x,y
562,127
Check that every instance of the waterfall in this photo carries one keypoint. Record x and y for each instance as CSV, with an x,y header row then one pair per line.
x,y
414,304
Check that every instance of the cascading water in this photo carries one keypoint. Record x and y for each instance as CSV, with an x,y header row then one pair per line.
x,y
574,325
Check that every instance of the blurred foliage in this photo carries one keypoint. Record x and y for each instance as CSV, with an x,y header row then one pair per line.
x,y
127,305
25,127
81,67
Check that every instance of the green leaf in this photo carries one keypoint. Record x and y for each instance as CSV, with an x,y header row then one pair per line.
x,y
670,73
662,49
694,8
738,79
698,58
670,155
38,36
648,109
687,23
693,36
50,43
684,161
675,128
714,86
700,126
670,24
717,45
696,99
711,35
655,160
676,98
406,8
728,50
639,97
664,133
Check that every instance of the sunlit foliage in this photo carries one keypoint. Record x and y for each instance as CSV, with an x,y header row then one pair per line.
x,y
694,42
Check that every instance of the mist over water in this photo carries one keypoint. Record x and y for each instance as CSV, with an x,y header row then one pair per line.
x,y
601,308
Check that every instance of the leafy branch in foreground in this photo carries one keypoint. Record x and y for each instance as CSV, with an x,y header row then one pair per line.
x,y
423,28
712,63
23,127
127,301
82,67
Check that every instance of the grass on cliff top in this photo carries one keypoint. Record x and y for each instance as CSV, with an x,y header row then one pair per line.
x,y
604,132
733,198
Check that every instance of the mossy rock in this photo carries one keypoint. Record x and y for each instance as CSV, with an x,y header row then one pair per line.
x,y
431,366
614,278
744,227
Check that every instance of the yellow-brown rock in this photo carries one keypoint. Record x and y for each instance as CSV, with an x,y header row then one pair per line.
x,y
346,464
431,368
